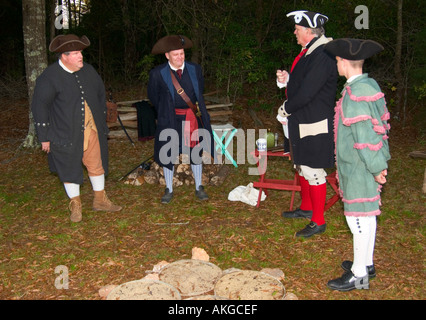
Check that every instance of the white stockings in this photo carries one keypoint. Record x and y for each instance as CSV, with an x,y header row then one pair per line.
x,y
364,237
73,189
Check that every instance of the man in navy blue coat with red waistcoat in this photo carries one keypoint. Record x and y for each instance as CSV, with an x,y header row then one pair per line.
x,y
176,119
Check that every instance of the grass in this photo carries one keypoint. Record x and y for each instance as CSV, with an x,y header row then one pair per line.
x,y
36,235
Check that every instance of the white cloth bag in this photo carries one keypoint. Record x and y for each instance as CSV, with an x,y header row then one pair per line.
x,y
246,194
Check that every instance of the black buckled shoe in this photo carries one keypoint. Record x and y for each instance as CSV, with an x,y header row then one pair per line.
x,y
298,213
201,194
167,196
348,282
311,229
347,266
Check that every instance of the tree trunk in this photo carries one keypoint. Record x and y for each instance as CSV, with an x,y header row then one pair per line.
x,y
52,17
196,33
35,54
130,52
398,61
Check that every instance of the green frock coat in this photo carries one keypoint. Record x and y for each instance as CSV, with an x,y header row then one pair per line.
x,y
362,149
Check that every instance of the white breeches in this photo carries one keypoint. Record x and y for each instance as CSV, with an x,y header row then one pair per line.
x,y
314,176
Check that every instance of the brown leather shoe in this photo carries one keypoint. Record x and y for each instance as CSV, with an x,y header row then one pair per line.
x,y
102,203
76,210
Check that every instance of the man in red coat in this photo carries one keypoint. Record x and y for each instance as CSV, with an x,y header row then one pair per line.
x,y
311,91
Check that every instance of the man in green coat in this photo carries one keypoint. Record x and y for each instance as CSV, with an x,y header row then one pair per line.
x,y
362,153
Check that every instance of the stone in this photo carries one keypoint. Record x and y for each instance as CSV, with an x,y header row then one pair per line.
x,y
157,268
151,276
105,290
275,272
290,296
200,254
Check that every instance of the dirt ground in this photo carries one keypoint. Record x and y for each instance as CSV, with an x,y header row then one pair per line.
x,y
35,234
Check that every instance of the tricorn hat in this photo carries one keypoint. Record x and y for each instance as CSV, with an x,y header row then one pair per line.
x,y
68,42
169,43
308,19
353,49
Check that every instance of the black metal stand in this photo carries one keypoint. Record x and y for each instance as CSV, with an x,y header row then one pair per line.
x,y
118,117
144,165
125,131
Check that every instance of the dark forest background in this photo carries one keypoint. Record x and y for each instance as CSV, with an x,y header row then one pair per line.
x,y
239,43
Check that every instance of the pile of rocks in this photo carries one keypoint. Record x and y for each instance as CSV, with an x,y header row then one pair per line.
x,y
213,174
198,279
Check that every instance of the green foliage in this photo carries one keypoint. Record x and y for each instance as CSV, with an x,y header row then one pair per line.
x,y
420,90
418,70
145,65
239,63
239,43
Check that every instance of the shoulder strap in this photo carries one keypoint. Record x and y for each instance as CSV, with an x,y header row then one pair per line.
x,y
182,93
185,97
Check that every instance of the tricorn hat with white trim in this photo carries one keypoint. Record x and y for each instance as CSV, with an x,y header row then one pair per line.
x,y
308,19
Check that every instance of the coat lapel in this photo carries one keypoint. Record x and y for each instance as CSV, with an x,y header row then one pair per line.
x,y
193,76
165,73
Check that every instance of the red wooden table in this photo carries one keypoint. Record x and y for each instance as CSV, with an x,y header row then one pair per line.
x,y
290,185
278,184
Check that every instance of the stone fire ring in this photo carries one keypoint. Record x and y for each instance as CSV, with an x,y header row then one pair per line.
x,y
249,285
191,277
144,289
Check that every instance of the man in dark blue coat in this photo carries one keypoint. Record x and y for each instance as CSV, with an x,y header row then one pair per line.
x,y
176,89
69,109
311,92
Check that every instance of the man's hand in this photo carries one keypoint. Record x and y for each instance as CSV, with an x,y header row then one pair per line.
x,y
45,146
381,178
282,76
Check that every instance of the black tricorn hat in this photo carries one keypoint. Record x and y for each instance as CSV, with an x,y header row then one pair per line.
x,y
68,42
353,49
308,19
169,43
